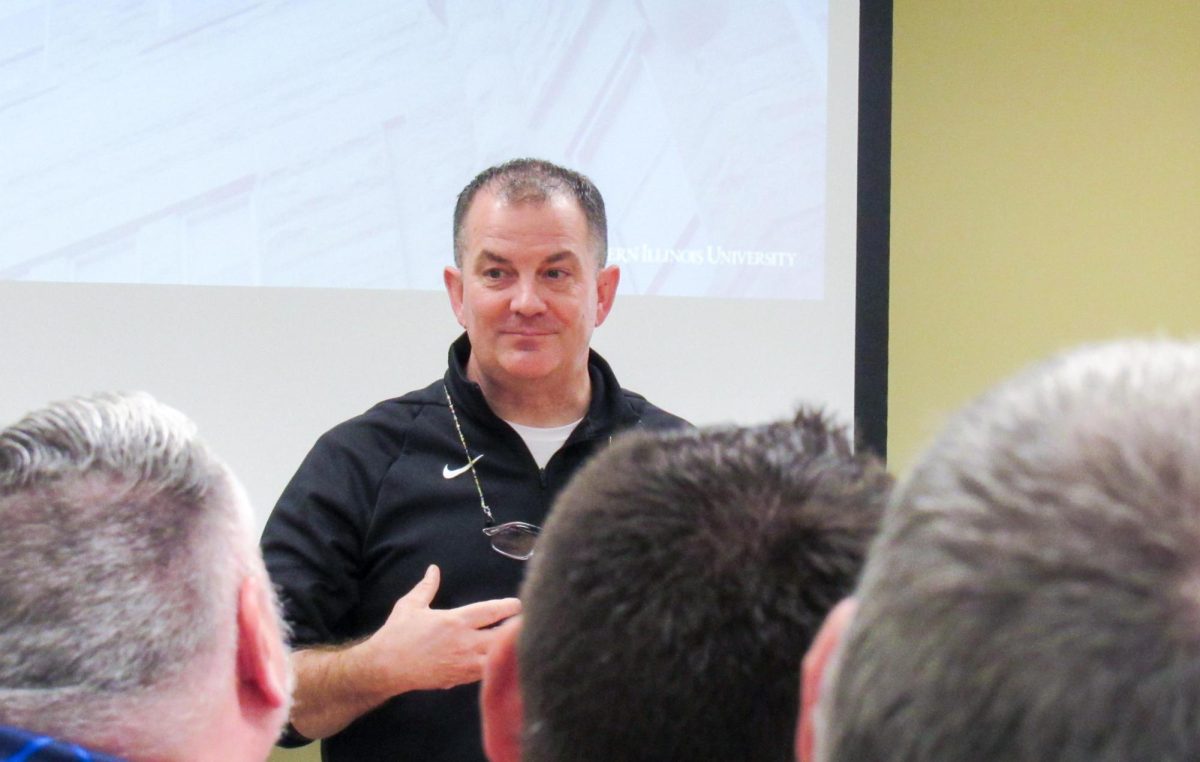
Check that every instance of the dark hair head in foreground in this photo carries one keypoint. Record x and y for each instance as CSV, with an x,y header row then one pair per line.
x,y
677,583
1035,591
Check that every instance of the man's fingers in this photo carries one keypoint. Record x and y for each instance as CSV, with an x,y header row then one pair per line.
x,y
487,613
423,592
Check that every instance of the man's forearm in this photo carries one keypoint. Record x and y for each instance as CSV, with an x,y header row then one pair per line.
x,y
417,648
332,690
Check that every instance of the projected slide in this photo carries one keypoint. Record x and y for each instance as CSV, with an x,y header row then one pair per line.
x,y
322,144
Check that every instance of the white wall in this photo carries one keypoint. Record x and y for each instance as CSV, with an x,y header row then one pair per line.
x,y
265,371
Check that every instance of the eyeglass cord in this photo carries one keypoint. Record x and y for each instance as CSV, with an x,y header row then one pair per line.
x,y
487,512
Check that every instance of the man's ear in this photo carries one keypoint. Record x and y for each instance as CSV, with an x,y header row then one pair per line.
x,y
500,696
262,657
606,291
453,279
816,661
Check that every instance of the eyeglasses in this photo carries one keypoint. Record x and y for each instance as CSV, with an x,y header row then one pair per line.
x,y
514,539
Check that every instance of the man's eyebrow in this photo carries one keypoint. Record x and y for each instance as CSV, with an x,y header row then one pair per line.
x,y
493,258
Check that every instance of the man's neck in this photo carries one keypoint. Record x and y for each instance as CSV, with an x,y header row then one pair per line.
x,y
546,403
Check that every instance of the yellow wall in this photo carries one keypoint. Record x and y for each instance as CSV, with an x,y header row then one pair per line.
x,y
310,753
1045,189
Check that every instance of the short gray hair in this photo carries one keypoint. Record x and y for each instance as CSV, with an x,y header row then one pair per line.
x,y
122,545
1035,590
535,181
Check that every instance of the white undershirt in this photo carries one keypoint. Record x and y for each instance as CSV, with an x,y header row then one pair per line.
x,y
544,442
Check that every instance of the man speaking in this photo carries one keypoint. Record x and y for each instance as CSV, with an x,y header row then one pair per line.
x,y
435,498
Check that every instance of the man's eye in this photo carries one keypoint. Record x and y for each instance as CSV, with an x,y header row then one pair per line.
x,y
493,273
556,274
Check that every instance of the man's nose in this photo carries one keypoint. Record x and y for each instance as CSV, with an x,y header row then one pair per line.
x,y
527,300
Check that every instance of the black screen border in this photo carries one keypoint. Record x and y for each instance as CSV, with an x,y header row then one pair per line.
x,y
874,224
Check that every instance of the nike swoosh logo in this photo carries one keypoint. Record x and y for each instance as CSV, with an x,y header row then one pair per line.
x,y
450,473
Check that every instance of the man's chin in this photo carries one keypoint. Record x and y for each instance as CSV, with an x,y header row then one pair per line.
x,y
528,367
531,362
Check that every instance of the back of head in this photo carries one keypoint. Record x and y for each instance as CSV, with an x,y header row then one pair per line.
x,y
535,181
677,582
1035,590
121,549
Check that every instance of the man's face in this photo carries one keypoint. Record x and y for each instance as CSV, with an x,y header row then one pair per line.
x,y
529,293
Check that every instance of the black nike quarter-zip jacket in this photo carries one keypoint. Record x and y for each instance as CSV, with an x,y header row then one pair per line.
x,y
382,496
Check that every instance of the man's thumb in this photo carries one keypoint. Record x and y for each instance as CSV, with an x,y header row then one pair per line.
x,y
423,592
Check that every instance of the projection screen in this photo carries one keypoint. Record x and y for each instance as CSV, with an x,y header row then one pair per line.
x,y
245,207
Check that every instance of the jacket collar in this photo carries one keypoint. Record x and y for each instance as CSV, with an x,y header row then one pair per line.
x,y
40,748
607,410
